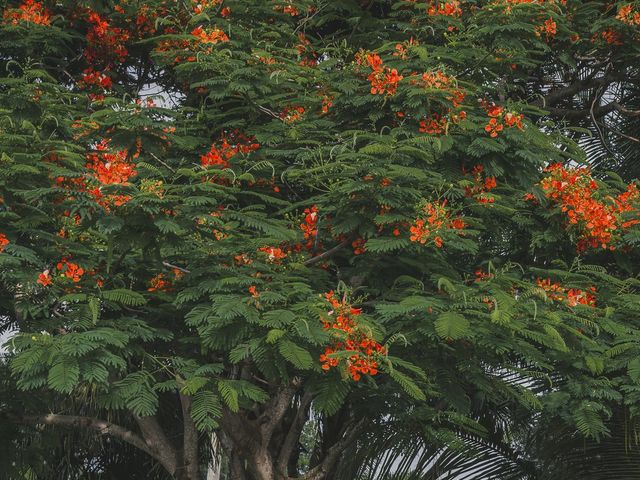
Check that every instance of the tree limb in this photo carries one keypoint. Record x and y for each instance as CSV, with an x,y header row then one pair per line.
x,y
276,409
320,471
328,253
103,427
158,442
293,435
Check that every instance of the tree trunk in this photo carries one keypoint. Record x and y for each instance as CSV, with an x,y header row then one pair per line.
x,y
213,469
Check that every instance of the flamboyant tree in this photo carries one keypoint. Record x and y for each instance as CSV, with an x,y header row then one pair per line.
x,y
249,219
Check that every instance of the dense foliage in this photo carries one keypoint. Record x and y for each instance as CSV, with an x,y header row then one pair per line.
x,y
345,238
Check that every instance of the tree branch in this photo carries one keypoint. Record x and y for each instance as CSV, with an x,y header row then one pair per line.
x,y
103,427
158,442
276,409
320,471
328,253
556,95
293,435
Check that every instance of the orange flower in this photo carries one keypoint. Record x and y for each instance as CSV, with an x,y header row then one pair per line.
x,y
29,11
70,270
212,36
274,255
341,321
482,186
254,291
571,297
493,127
384,80
291,114
227,147
110,168
434,125
159,283
44,279
481,276
436,218
327,102
450,8
359,246
548,28
3,241
598,224
309,227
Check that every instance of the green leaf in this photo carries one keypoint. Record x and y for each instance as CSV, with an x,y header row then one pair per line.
x,y
407,384
452,326
64,375
229,395
296,355
124,297
205,410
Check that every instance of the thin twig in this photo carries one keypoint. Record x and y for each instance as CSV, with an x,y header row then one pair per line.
x,y
163,163
171,265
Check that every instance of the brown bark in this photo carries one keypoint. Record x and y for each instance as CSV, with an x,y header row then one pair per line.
x,y
189,440
158,442
182,464
293,435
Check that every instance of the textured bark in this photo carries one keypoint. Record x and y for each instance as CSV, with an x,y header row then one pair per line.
x,y
189,440
158,443
101,426
293,435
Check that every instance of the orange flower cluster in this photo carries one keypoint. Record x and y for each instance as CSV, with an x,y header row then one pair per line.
x,y
110,168
45,279
598,223
310,226
159,283
327,103
291,114
549,28
510,3
341,320
627,15
482,185
499,119
288,9
274,254
107,169
4,241
434,125
97,81
449,8
384,80
228,147
70,270
29,11
91,77
436,219
609,35
437,124
571,297
402,49
213,36
105,43
359,246
202,5
519,2
309,56
481,276
439,81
